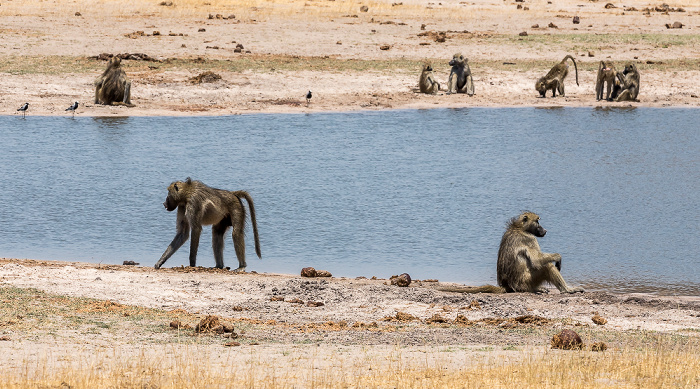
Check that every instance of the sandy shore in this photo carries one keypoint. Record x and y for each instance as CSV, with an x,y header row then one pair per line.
x,y
335,50
276,312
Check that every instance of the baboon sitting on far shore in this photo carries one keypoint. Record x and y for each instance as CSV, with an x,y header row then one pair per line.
x,y
199,205
607,75
427,83
113,87
522,266
629,80
554,80
460,80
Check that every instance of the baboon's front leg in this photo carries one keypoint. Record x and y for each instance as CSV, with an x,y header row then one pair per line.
x,y
127,93
452,84
194,244
183,232
557,280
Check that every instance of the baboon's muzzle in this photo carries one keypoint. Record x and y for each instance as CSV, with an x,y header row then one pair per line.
x,y
169,205
541,232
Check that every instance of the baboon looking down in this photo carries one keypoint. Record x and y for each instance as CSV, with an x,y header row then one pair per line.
x,y
199,205
554,80
629,80
460,80
522,266
427,81
113,86
607,75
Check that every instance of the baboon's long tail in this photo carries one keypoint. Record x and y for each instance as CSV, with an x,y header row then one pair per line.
x,y
249,200
575,67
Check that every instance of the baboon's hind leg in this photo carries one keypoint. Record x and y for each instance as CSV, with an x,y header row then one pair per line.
x,y
194,244
217,241
238,234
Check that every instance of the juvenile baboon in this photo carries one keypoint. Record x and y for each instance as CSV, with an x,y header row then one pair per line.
x,y
554,80
113,87
460,80
427,81
199,205
522,266
607,75
629,80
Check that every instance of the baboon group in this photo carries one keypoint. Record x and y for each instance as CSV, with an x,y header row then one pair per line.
x,y
621,85
521,266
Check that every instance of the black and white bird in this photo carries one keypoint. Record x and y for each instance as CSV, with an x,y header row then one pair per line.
x,y
73,108
308,98
24,109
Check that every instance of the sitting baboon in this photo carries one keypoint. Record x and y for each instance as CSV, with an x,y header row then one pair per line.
x,y
460,80
629,80
522,266
113,87
198,205
427,81
554,80
607,75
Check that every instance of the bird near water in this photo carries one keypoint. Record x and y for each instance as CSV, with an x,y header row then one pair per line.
x,y
23,109
73,108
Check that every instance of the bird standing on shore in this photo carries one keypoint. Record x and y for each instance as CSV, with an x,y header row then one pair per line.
x,y
308,98
73,108
23,108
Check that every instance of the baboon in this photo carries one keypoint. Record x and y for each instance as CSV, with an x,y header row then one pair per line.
x,y
198,205
460,80
554,80
629,80
113,87
607,75
522,266
427,81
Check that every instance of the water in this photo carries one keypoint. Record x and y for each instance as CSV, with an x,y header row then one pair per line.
x,y
426,192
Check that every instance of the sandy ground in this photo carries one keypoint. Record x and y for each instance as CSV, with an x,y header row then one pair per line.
x,y
272,314
505,65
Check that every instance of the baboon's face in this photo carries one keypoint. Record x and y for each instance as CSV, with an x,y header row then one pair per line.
x,y
115,62
427,68
171,202
457,60
541,86
531,224
629,68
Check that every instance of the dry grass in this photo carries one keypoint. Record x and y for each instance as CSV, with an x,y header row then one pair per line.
x,y
244,10
664,363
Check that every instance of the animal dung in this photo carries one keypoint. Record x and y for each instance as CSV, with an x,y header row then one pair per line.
x,y
674,25
402,280
577,20
311,272
567,340
599,320
130,263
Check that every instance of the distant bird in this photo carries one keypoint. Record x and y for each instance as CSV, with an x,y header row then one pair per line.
x,y
308,98
73,108
24,109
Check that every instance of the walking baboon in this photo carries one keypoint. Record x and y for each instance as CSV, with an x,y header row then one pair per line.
x,y
460,80
199,205
522,266
554,80
607,75
427,81
629,80
113,87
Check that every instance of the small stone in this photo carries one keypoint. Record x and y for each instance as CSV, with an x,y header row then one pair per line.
x,y
599,320
591,54
364,8
524,33
202,30
600,346
232,344
577,20
323,273
402,280
314,304
552,25
78,14
535,26
308,272
130,263
384,47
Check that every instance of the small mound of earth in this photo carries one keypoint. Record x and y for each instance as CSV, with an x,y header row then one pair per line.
x,y
206,77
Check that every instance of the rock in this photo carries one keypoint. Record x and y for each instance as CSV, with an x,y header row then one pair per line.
x,y
436,319
567,340
591,54
552,25
175,324
232,344
4,338
535,26
600,346
402,280
130,263
295,301
577,20
323,273
364,8
277,298
308,272
78,14
610,5
674,25
202,30
524,33
314,304
206,77
384,47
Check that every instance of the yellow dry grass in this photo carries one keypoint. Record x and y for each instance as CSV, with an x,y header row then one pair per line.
x,y
246,9
661,364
